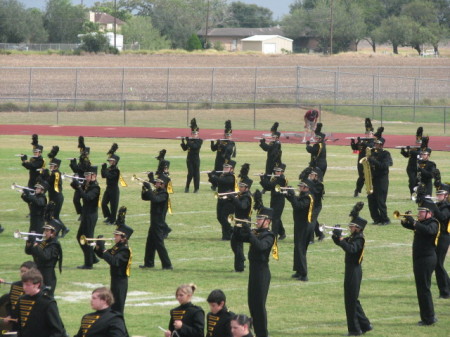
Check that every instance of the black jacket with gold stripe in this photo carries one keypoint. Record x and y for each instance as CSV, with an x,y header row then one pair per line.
x,y
102,323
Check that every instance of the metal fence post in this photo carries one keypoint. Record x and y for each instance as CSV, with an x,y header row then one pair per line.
x,y
381,115
57,112
414,106
254,98
212,87
123,85
167,88
76,88
297,98
335,89
187,114
445,119
124,105
373,95
29,89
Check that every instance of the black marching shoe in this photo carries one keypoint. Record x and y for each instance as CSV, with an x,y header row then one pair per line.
x,y
168,268
296,275
1,229
355,194
369,328
303,278
359,333
143,266
186,190
282,237
64,232
423,323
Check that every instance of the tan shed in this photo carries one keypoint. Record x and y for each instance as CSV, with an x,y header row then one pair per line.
x,y
267,44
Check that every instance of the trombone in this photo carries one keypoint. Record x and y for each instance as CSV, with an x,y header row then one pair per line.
x,y
232,220
398,215
24,236
212,171
87,241
224,195
80,179
322,228
21,189
136,178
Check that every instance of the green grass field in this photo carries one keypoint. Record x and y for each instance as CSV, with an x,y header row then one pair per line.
x,y
315,308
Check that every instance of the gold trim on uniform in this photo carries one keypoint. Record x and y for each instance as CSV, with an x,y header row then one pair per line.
x,y
56,185
25,310
212,322
15,293
178,314
87,322
311,206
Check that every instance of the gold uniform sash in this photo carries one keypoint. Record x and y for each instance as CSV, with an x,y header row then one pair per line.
x,y
56,185
311,206
122,181
275,250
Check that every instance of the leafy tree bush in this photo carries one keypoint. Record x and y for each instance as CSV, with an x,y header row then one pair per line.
x,y
194,43
95,43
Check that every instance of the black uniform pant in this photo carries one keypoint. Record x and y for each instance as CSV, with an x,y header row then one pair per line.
x,y
58,199
111,197
361,179
357,321
442,278
193,166
377,200
258,288
302,236
87,228
36,223
412,179
49,276
322,164
237,246
77,201
155,243
224,208
119,288
277,223
315,222
423,267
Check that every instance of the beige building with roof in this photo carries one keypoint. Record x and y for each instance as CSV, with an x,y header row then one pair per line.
x,y
267,44
106,21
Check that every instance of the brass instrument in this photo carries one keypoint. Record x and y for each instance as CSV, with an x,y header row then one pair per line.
x,y
91,241
212,171
408,146
285,190
21,189
259,138
367,172
398,215
262,175
136,178
322,228
19,155
24,236
68,176
232,220
224,195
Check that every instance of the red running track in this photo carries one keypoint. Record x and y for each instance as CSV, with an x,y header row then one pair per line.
x,y
438,143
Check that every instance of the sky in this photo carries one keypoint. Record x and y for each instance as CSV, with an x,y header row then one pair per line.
x,y
278,7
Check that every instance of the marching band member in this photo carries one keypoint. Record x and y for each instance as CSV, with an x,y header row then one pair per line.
x,y
112,192
35,163
192,145
36,202
241,326
425,170
273,149
47,253
119,259
79,169
412,153
353,246
443,215
104,322
225,149
310,118
318,150
218,319
188,320
317,191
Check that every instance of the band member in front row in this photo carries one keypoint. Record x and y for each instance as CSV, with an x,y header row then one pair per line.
x,y
425,170
158,208
36,311
79,169
226,188
187,320
302,207
379,161
243,203
241,326
90,194
261,242
192,145
112,192
35,163
36,203
225,149
277,200
426,231
104,322
353,246
47,253
119,259
218,319
273,149
318,151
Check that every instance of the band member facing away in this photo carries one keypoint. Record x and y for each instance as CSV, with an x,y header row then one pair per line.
x,y
90,194
36,202
218,319
261,242
79,169
318,151
243,207
156,233
112,192
426,229
48,252
380,160
226,187
302,207
192,145
273,149
225,149
412,153
15,292
187,320
36,311
277,199
317,191
35,163
310,118
353,246
104,321
119,259
425,170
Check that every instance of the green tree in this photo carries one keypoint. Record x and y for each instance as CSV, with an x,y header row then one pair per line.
x,y
13,26
140,30
396,30
194,43
95,43
249,16
120,10
63,21
36,32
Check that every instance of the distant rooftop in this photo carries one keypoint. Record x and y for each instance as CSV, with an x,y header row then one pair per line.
x,y
242,32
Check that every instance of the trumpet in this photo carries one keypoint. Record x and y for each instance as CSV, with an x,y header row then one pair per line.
x,y
262,174
20,188
19,155
136,178
322,228
24,236
232,220
398,215
91,241
224,195
212,171
284,190
64,176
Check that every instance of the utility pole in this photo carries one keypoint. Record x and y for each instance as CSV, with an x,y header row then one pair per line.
x,y
115,14
331,27
206,28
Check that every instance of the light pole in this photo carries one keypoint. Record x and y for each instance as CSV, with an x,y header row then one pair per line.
x,y
115,14
206,28
331,28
